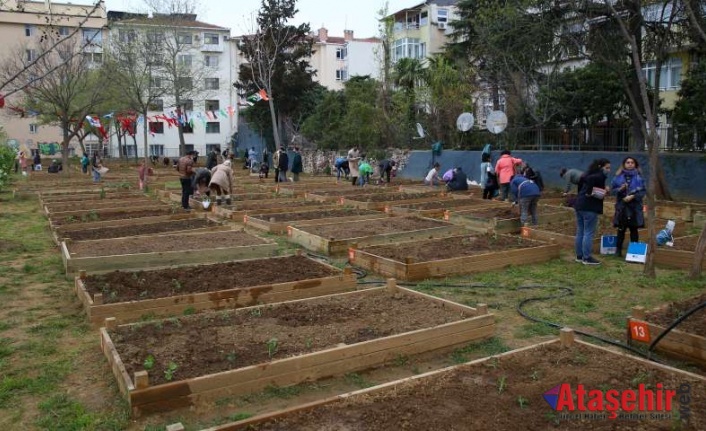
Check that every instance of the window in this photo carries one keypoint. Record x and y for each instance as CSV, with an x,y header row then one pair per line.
x,y
211,147
155,59
213,105
184,83
185,38
63,31
156,105
92,36
341,75
210,38
155,37
424,18
30,30
442,15
156,83
186,128
341,53
211,83
670,75
93,57
30,55
184,60
211,60
157,127
213,127
407,48
157,150
33,128
127,35
187,105
189,147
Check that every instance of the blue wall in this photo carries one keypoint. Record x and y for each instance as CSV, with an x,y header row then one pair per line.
x,y
686,173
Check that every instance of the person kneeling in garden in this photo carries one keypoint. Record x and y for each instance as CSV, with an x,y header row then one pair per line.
x,y
222,182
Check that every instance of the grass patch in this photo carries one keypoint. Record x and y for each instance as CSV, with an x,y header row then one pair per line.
x,y
357,380
59,412
530,330
490,347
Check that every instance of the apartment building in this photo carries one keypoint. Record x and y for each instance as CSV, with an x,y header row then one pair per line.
x,y
23,24
337,59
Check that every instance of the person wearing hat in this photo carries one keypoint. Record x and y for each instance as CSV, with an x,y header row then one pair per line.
x,y
222,182
185,167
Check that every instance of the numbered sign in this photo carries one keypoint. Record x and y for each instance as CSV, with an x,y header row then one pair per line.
x,y
446,215
609,244
639,331
245,219
289,231
351,254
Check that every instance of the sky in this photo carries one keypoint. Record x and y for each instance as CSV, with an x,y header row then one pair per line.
x,y
238,15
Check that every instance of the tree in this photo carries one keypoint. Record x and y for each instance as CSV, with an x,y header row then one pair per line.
x,y
407,74
276,61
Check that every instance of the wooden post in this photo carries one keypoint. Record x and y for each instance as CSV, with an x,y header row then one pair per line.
x,y
408,260
566,337
142,379
98,299
347,270
392,285
638,312
82,274
299,252
482,309
176,427
111,323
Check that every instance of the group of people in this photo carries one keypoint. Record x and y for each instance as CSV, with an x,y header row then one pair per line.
x,y
356,166
454,179
203,181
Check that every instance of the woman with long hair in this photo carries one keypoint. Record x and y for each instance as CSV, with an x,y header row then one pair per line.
x,y
589,206
628,186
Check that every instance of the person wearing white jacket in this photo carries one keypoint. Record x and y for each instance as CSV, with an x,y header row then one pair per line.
x,y
222,182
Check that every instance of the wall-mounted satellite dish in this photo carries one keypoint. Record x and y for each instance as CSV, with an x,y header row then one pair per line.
x,y
420,130
465,121
496,122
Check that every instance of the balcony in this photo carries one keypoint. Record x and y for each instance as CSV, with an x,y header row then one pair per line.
x,y
212,48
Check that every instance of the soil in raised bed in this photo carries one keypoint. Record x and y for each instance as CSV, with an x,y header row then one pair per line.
x,y
445,203
159,210
163,243
372,227
313,215
604,227
121,286
391,197
685,243
88,205
218,341
502,213
138,229
264,204
694,324
457,246
506,394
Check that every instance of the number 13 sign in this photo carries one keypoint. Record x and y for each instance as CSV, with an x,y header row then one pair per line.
x,y
639,331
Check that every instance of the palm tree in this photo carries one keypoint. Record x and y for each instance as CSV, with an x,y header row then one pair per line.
x,y
407,75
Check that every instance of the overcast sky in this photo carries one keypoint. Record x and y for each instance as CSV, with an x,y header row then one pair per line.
x,y
336,15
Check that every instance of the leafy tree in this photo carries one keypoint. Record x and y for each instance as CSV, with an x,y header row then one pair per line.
x,y
689,113
407,75
324,124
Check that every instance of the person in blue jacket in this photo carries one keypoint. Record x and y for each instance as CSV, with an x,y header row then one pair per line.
x,y
628,186
588,207
341,166
527,194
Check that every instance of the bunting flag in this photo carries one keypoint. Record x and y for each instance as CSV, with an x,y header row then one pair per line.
x,y
223,113
94,121
2,101
246,103
231,110
109,115
260,95
200,116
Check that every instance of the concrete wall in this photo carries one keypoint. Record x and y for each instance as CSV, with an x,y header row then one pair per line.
x,y
686,173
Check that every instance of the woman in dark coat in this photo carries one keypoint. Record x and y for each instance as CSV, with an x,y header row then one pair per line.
x,y
588,207
628,186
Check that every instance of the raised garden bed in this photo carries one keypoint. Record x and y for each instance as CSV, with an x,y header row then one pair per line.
x,y
132,296
380,201
212,355
687,341
63,219
192,224
238,211
137,201
345,190
156,251
510,391
679,256
61,230
678,210
438,207
277,223
335,238
93,197
504,219
563,233
451,256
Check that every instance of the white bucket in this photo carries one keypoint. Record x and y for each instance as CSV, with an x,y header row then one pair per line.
x,y
206,204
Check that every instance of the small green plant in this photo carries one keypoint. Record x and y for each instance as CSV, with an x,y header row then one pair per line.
x,y
231,356
176,284
256,312
143,294
102,193
522,401
272,347
189,311
92,215
502,384
401,360
169,372
535,375
308,343
149,362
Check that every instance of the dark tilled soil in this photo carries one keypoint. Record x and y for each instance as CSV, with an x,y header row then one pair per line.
x,y
686,243
264,204
505,212
164,243
372,227
446,203
218,341
313,215
111,215
93,197
89,205
391,197
134,286
437,249
505,394
138,229
695,324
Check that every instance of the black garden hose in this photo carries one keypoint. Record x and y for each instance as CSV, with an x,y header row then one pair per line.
x,y
674,325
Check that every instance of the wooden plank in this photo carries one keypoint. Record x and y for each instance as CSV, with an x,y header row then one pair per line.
x,y
680,344
281,227
669,257
126,222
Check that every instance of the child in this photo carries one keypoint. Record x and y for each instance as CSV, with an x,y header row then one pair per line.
x,y
264,170
432,178
365,170
142,173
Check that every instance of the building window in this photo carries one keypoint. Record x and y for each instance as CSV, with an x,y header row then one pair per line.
x,y
126,36
185,38
424,18
211,60
211,147
157,150
213,105
186,128
156,83
341,75
211,83
157,127
30,30
155,37
33,128
93,57
670,75
442,15
155,59
156,105
189,147
92,36
213,127
63,31
184,84
210,38
31,55
408,47
187,105
341,53
184,60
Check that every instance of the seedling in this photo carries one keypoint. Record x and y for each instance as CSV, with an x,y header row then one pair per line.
x,y
189,311
169,372
272,347
535,375
143,294
256,312
522,401
102,193
176,284
502,384
231,357
149,362
308,343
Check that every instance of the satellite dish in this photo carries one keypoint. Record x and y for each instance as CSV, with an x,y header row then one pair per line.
x,y
496,122
420,130
464,122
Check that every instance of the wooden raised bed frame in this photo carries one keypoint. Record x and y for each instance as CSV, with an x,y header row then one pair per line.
x,y
678,344
412,271
281,227
671,258
163,259
498,225
289,371
132,311
339,246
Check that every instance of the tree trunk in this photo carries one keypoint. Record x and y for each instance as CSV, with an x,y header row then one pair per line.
x,y
144,133
661,186
275,130
651,215
65,150
698,256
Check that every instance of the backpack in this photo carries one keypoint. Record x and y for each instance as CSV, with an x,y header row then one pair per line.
x,y
535,176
